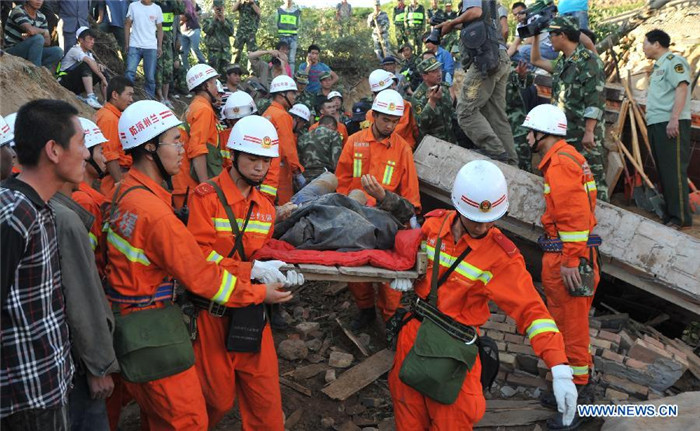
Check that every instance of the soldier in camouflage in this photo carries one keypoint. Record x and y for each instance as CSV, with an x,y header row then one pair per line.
x,y
304,97
432,103
320,149
166,64
450,40
378,21
219,31
248,23
399,23
578,83
415,24
520,81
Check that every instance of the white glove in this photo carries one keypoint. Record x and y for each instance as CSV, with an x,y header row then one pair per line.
x,y
565,392
294,279
401,284
414,223
268,272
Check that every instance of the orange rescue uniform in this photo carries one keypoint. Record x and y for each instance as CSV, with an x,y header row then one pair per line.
x,y
407,127
279,178
146,244
570,197
107,119
93,201
493,270
251,377
391,163
204,134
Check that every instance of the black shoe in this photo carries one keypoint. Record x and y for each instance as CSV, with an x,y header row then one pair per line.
x,y
363,318
586,395
555,423
277,322
548,400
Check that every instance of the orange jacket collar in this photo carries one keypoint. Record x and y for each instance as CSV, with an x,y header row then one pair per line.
x,y
368,136
113,109
153,186
233,193
552,151
473,243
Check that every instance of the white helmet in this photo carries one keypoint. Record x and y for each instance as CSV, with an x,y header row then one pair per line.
x,y
301,111
546,118
254,135
198,74
219,87
238,105
6,133
282,83
93,134
380,80
143,121
480,192
388,102
333,94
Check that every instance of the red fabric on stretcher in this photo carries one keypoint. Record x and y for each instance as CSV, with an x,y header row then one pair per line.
x,y
401,258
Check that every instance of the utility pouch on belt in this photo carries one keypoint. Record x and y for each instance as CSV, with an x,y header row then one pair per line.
x,y
438,363
587,273
394,325
490,362
245,328
480,41
214,162
152,344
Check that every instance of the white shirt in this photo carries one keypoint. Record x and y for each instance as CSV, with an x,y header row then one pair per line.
x,y
73,56
143,24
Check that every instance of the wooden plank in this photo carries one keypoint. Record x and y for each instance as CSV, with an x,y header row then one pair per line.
x,y
614,170
317,269
296,386
352,338
511,418
293,418
360,375
510,404
366,271
307,372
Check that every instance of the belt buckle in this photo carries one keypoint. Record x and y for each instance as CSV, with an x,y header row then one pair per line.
x,y
470,342
216,310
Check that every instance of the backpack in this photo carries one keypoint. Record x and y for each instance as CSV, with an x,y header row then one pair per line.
x,y
480,39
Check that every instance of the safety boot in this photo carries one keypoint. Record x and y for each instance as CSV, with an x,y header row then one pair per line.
x,y
363,318
586,395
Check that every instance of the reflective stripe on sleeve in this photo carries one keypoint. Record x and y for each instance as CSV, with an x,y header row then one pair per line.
x,y
228,284
268,189
574,236
580,371
93,241
132,253
539,326
465,269
215,257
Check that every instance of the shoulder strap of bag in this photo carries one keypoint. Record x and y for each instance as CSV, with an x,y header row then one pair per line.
x,y
238,243
436,282
116,198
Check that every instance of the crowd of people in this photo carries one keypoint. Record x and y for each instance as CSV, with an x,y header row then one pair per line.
x,y
115,227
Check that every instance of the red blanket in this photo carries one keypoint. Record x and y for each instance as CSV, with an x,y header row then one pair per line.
x,y
401,258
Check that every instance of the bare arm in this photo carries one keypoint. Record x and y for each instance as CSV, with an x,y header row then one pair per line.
x,y
334,77
92,64
536,58
513,47
257,54
256,8
469,15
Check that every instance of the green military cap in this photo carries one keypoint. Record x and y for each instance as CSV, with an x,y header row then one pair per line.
x,y
428,65
302,78
324,75
218,3
561,23
231,68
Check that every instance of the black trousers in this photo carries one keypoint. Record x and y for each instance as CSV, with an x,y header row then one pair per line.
x,y
73,79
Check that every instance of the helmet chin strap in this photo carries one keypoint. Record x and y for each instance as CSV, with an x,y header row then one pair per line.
x,y
536,147
248,181
287,99
100,173
163,173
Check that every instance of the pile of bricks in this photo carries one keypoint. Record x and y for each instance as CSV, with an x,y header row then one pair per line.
x,y
629,363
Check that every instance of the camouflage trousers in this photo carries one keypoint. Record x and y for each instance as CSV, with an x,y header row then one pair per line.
x,y
244,38
219,59
381,45
595,159
164,68
401,35
522,148
481,112
414,37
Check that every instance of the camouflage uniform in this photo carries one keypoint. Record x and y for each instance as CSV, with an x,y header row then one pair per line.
x,y
262,104
450,40
400,26
218,43
433,121
415,24
517,110
165,66
380,33
578,89
248,23
319,150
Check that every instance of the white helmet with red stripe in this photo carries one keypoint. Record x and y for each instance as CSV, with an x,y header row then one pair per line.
x,y
301,111
143,121
6,133
480,192
93,134
238,105
380,80
254,135
198,74
281,84
388,102
546,118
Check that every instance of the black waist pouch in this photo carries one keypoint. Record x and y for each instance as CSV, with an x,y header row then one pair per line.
x,y
245,329
490,364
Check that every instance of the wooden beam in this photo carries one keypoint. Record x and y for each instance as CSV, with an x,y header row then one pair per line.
x,y
360,375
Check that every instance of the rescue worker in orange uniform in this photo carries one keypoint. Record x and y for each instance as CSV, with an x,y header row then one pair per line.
x,y
384,155
239,104
203,147
227,372
278,183
87,195
568,244
407,128
147,245
120,93
491,268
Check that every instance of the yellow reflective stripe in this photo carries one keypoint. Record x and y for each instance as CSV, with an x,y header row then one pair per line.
x,y
464,269
357,166
547,189
539,326
228,284
574,236
590,186
226,154
132,253
580,371
388,172
223,225
265,188
215,257
93,241
287,31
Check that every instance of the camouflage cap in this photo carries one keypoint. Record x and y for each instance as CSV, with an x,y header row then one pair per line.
x,y
404,46
428,65
324,75
231,68
302,79
560,23
218,3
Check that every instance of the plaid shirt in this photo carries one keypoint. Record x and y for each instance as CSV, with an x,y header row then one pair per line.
x,y
36,367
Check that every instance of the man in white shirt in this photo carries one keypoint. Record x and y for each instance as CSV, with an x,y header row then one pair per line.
x,y
143,39
79,70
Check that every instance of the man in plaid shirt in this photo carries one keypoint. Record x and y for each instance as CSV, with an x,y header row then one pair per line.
x,y
35,363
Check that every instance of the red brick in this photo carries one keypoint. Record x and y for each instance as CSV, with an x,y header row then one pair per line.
x,y
645,352
603,344
609,336
626,386
633,363
593,332
496,335
501,346
609,354
626,340
508,361
498,318
520,348
676,352
513,338
653,342
503,327
530,381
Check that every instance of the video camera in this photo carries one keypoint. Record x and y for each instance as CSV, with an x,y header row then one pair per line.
x,y
538,17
